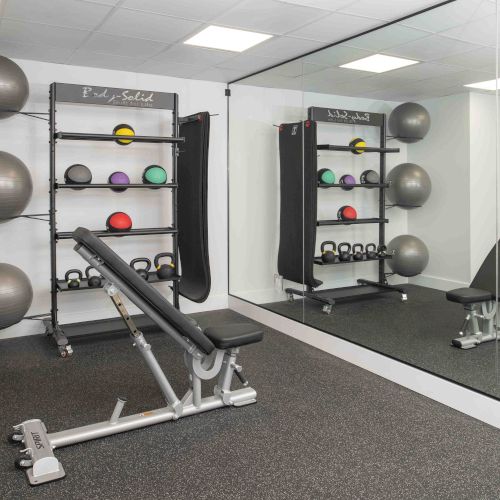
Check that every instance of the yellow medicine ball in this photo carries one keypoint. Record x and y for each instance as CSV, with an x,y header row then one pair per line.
x,y
357,142
123,129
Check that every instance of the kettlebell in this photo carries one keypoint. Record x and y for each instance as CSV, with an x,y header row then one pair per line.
x,y
164,271
357,251
371,251
73,282
328,256
382,251
344,255
92,281
143,272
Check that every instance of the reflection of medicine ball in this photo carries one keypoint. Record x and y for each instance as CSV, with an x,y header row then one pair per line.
x,y
409,186
357,142
326,176
347,212
118,178
409,122
118,221
346,180
123,129
78,174
14,88
16,186
410,255
369,177
16,294
154,174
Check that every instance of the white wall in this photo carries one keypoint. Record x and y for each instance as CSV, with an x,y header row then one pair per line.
x,y
25,243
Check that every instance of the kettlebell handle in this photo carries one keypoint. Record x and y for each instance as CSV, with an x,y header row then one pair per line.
x,y
73,271
332,243
164,255
87,272
146,261
371,246
344,244
357,245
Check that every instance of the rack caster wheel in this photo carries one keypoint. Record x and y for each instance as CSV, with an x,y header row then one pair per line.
x,y
289,297
65,351
404,297
327,308
23,462
15,438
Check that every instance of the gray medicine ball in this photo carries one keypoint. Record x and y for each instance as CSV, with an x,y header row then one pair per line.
x,y
410,256
14,88
409,186
16,186
16,295
409,122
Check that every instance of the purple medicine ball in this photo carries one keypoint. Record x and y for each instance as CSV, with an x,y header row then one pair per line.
x,y
347,179
119,178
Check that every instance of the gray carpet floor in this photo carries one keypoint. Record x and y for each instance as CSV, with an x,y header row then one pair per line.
x,y
418,332
322,429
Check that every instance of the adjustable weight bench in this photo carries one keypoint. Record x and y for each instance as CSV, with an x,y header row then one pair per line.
x,y
480,304
207,354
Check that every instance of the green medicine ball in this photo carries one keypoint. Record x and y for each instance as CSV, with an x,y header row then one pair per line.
x,y
154,174
326,176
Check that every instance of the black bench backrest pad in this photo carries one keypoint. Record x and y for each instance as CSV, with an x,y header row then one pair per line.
x,y
144,289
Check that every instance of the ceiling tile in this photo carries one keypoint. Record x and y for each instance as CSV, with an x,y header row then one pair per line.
x,y
451,15
331,5
249,63
35,52
336,76
337,55
424,70
431,48
387,9
123,46
484,57
189,9
284,47
297,68
43,34
458,79
268,16
105,2
483,32
273,81
219,75
387,37
148,26
108,61
66,13
189,54
335,27
171,69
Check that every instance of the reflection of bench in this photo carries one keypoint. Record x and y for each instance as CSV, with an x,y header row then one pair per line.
x,y
480,305
207,354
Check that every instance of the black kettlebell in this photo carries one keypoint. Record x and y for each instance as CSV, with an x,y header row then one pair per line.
x,y
328,256
371,251
381,250
344,255
73,282
357,251
165,271
92,281
143,272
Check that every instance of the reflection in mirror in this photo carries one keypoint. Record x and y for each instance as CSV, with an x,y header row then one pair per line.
x,y
395,133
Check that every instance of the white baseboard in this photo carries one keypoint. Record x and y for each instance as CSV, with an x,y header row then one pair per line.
x,y
437,282
465,400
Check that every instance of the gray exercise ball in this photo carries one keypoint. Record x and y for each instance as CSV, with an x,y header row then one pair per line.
x,y
409,122
409,186
16,295
16,186
410,256
14,88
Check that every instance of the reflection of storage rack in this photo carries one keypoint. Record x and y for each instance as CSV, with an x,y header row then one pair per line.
x,y
91,95
364,288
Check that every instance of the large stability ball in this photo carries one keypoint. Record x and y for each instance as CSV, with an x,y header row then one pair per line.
x,y
409,186
15,186
410,256
14,88
409,122
16,295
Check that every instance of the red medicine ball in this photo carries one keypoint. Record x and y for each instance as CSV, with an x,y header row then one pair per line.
x,y
119,221
347,213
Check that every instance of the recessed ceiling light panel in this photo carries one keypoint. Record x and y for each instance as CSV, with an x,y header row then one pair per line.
x,y
487,85
217,37
379,63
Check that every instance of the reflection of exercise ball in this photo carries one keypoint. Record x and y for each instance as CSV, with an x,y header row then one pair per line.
x,y
409,255
16,295
14,88
409,122
409,186
15,186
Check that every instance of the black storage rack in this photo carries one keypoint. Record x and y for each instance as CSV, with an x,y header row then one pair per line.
x,y
364,288
107,96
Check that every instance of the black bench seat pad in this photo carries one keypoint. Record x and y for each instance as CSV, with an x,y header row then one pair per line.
x,y
469,295
235,335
